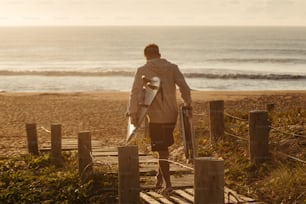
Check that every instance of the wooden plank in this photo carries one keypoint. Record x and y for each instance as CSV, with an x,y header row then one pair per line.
x,y
69,147
186,181
185,195
179,200
173,170
159,197
227,199
114,160
148,199
190,191
98,152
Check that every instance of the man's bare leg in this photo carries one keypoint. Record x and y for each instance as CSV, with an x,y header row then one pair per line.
x,y
164,167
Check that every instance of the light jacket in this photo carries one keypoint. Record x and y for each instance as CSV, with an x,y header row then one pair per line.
x,y
164,107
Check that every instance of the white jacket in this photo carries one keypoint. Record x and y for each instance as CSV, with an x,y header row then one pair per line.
x,y
164,107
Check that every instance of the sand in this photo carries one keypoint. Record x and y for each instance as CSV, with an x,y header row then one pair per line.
x,y
103,113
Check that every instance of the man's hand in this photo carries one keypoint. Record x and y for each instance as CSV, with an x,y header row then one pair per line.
x,y
188,108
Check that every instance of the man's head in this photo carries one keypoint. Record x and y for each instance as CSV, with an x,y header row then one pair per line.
x,y
151,51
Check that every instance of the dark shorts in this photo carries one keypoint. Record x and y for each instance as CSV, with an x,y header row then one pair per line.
x,y
161,135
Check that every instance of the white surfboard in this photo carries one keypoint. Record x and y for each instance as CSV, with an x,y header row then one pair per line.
x,y
151,88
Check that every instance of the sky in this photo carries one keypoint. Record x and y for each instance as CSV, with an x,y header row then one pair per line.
x,y
152,12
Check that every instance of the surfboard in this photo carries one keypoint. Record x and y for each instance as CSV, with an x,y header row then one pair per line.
x,y
150,90
187,132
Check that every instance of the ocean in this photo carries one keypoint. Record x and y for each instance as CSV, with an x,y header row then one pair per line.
x,y
73,59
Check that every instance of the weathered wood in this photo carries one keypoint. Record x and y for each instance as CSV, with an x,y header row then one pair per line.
x,y
270,107
190,191
56,145
179,200
129,186
114,160
99,153
208,180
148,198
84,151
32,138
159,197
185,195
258,136
216,120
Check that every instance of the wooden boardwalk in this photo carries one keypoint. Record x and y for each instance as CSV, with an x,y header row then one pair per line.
x,y
182,178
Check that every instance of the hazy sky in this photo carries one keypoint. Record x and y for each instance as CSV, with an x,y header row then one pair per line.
x,y
153,12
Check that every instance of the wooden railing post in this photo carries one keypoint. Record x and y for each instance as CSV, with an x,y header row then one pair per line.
x,y
270,107
258,136
85,159
216,120
208,180
32,138
129,186
56,145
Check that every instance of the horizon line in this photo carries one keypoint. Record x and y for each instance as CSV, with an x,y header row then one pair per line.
x,y
183,25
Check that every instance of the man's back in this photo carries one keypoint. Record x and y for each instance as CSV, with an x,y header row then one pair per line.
x,y
164,108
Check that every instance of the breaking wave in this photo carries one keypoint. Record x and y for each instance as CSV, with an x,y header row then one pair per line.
x,y
261,60
219,75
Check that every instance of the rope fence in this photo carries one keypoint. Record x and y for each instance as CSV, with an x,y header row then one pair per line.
x,y
286,133
291,157
234,117
236,136
268,126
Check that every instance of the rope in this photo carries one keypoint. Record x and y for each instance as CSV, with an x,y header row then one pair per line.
x,y
291,157
234,117
236,136
198,114
229,194
173,162
11,135
45,129
287,133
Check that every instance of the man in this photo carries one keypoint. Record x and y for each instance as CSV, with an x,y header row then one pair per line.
x,y
163,111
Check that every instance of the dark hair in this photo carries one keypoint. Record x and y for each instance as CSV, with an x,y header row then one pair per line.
x,y
151,50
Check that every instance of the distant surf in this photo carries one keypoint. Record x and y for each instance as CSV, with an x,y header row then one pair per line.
x,y
106,58
131,73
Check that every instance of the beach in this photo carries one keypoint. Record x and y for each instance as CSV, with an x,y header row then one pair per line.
x,y
103,113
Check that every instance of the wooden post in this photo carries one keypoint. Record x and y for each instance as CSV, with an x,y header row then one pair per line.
x,y
208,180
32,138
56,145
216,120
270,107
258,136
85,159
129,187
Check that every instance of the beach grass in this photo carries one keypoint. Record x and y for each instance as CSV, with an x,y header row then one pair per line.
x,y
281,179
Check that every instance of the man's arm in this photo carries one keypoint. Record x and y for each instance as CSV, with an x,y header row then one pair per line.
x,y
183,86
135,97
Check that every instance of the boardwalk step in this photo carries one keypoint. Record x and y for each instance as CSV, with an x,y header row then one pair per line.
x,y
182,178
148,199
160,197
185,195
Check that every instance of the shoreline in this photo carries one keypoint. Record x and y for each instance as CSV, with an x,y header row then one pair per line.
x,y
195,93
